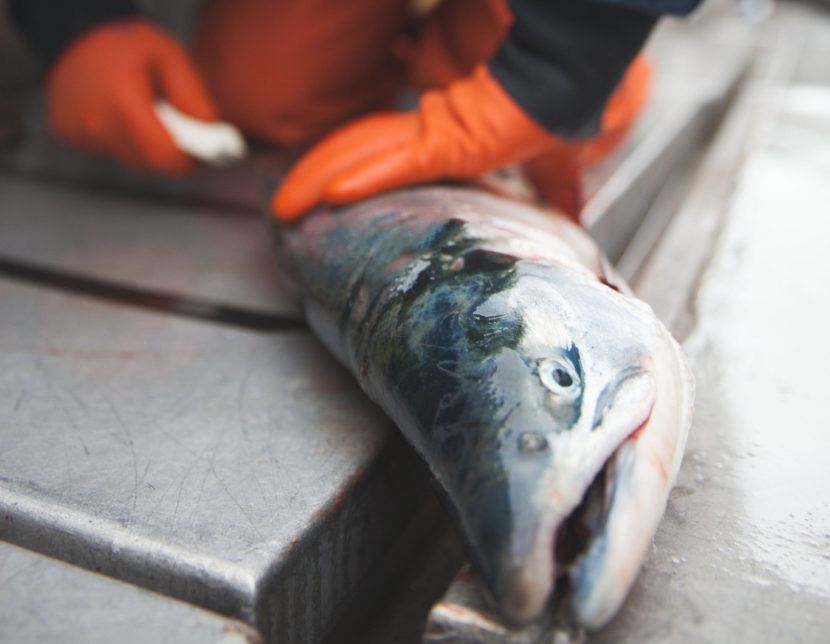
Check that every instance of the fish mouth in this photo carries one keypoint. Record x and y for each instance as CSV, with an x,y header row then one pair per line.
x,y
534,589
588,520
588,543
575,534
599,546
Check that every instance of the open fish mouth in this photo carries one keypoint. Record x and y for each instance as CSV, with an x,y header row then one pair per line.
x,y
560,536
601,544
575,534
586,570
578,557
588,521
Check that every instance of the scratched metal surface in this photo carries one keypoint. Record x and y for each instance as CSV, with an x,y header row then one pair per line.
x,y
208,254
80,607
236,470
181,491
740,276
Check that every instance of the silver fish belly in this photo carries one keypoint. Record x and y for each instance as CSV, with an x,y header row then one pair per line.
x,y
551,406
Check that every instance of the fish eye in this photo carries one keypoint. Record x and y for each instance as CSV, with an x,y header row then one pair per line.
x,y
558,376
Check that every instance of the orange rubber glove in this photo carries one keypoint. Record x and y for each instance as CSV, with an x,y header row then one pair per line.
x,y
471,127
101,90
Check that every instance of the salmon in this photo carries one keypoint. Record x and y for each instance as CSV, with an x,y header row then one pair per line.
x,y
549,403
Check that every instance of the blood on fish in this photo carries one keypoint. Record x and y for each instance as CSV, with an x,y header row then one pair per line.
x,y
357,476
332,509
610,285
661,467
461,611
633,436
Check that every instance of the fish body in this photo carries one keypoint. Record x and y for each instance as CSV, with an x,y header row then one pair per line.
x,y
550,405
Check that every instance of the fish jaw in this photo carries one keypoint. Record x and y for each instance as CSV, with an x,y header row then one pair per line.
x,y
542,502
639,477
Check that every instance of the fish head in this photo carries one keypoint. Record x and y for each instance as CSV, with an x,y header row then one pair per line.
x,y
538,447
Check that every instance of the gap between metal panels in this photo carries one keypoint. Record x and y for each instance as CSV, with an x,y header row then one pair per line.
x,y
183,306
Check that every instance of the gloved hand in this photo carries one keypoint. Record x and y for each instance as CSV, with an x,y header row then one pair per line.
x,y
101,90
558,172
471,127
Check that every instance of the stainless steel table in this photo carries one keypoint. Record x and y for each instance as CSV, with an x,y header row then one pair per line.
x,y
167,420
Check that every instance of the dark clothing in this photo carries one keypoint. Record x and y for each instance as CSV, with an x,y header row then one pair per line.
x,y
561,60
657,7
48,26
